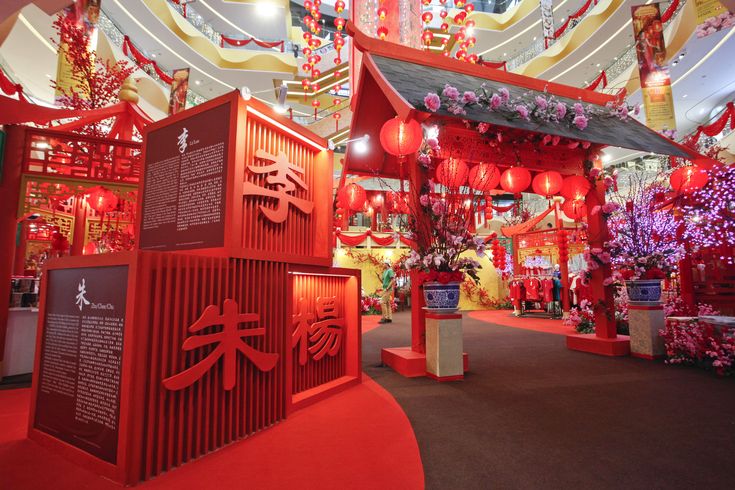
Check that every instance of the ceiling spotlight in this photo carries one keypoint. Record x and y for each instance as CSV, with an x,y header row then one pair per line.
x,y
245,93
534,38
198,82
684,96
267,9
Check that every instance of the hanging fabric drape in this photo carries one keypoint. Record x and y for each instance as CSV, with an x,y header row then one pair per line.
x,y
10,88
244,42
496,64
576,15
142,61
381,241
512,230
716,127
601,79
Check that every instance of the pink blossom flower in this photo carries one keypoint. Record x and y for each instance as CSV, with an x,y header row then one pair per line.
x,y
482,128
469,97
580,121
561,110
522,111
438,208
541,103
555,140
451,92
637,109
578,109
495,101
504,94
456,109
432,102
610,207
433,143
594,172
424,159
607,281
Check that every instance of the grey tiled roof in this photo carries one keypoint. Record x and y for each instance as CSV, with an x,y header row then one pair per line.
x,y
413,81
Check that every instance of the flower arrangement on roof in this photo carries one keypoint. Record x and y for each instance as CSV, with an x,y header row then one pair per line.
x,y
540,108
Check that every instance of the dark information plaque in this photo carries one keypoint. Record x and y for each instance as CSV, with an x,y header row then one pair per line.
x,y
184,186
78,398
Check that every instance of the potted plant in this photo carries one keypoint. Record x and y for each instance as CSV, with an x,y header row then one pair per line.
x,y
438,258
644,249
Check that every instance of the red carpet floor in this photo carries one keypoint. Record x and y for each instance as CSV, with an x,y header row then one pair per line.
x,y
370,322
505,318
360,438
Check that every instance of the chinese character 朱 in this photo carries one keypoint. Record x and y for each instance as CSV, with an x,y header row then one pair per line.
x,y
229,340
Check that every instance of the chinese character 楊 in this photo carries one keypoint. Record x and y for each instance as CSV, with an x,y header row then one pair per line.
x,y
326,334
300,335
229,340
284,180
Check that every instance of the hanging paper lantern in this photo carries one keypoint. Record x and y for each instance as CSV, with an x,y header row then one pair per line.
x,y
484,177
377,201
401,138
339,6
382,12
686,180
548,183
575,187
488,213
452,173
352,196
427,37
515,180
102,200
339,23
382,32
575,209
427,17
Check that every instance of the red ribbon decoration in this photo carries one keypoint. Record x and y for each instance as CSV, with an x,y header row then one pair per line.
x,y
10,88
496,64
243,42
140,59
716,127
601,79
669,12
576,15
386,241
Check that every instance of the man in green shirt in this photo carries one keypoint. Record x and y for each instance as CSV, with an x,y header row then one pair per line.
x,y
386,297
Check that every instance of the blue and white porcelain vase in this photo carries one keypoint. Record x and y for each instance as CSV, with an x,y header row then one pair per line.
x,y
644,291
440,297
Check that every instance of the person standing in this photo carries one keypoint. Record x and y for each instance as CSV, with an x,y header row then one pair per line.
x,y
386,297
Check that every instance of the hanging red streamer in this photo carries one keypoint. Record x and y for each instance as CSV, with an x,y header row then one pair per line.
x,y
141,60
10,88
716,127
576,15
386,241
669,12
244,42
601,79
496,64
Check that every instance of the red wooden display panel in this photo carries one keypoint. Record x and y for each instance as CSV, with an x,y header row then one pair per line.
x,y
310,287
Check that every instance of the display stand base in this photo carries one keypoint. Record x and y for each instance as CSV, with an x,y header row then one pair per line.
x,y
619,346
409,363
644,322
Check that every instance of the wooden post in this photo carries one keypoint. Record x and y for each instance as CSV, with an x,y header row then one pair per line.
x,y
417,178
80,224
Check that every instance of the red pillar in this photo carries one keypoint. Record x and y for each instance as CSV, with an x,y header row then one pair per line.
x,y
80,223
605,340
9,197
563,264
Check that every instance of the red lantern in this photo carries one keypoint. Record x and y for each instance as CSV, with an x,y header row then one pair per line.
x,y
382,12
339,22
102,200
574,209
382,32
548,183
399,138
689,179
339,6
488,213
484,177
515,180
575,187
427,17
377,201
353,196
427,37
452,173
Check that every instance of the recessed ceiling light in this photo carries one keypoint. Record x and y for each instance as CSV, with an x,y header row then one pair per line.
x,y
534,38
48,76
701,111
198,82
153,55
505,54
598,65
267,9
684,96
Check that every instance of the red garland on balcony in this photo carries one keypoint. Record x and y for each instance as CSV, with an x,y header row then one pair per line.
x,y
601,79
142,61
576,15
244,42
716,127
10,88
495,64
